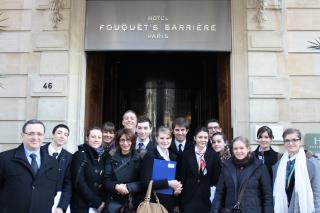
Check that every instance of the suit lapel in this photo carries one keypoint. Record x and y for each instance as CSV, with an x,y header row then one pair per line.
x,y
21,157
194,163
173,147
45,162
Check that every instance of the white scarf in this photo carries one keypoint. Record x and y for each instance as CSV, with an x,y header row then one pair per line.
x,y
302,186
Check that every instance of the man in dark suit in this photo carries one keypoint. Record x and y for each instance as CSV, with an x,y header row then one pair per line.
x,y
55,149
180,143
144,130
28,177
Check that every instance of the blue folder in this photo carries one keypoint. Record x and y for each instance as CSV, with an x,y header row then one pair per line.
x,y
164,170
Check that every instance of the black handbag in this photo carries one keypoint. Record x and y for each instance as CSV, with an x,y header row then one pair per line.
x,y
128,206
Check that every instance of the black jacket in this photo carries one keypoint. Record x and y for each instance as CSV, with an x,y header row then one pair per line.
x,y
257,196
269,158
173,148
64,181
22,191
87,171
196,186
146,176
117,172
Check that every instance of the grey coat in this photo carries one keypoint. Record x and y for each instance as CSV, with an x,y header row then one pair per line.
x,y
313,166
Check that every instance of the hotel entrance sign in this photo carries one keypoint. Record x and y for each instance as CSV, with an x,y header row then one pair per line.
x,y
158,25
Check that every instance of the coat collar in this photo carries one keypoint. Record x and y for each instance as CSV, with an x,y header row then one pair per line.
x,y
249,170
20,157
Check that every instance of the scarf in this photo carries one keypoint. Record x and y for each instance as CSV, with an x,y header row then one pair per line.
x,y
100,150
302,187
243,162
225,154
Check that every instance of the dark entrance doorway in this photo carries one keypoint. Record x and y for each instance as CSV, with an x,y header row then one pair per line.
x,y
161,85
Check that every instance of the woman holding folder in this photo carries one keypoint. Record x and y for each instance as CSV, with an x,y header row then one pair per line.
x,y
200,170
161,152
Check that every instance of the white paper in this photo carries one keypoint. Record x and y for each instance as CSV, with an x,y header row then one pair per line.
x,y
170,165
56,202
212,192
93,210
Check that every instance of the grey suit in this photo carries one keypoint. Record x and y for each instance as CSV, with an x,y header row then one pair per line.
x,y
313,166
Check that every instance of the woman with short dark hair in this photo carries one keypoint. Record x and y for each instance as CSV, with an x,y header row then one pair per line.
x,y
264,151
121,179
200,170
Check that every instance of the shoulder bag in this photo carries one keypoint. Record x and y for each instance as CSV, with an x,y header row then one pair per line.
x,y
236,207
147,207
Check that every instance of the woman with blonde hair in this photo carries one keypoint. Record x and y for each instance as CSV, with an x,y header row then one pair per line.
x,y
244,183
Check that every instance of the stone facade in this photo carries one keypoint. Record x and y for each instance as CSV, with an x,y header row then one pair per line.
x,y
274,74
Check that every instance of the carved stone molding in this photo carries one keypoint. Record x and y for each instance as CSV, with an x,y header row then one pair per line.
x,y
56,16
261,16
2,19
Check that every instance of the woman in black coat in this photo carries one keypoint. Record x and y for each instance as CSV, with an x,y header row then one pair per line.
x,y
200,170
161,152
242,167
264,151
87,170
121,179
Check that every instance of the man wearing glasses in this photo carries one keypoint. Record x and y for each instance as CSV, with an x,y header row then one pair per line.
x,y
28,177
213,126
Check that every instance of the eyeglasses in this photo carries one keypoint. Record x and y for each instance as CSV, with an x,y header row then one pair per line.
x,y
31,134
124,140
213,127
294,140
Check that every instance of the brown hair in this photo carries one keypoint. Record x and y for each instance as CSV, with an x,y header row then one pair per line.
x,y
130,135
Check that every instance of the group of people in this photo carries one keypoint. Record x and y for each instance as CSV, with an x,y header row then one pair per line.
x,y
111,171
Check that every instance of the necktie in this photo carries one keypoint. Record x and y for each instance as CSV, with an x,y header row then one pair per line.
x,y
34,164
289,170
180,148
140,146
55,155
202,163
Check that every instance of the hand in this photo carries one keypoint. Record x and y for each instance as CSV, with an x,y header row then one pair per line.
x,y
122,189
58,210
101,207
177,191
175,185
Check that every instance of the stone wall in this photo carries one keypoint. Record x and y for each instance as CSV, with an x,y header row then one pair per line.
x,y
34,59
274,74
283,71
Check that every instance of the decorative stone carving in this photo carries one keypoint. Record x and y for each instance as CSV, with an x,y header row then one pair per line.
x,y
261,16
56,16
2,19
315,44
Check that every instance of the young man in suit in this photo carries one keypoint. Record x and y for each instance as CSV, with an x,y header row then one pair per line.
x,y
144,130
55,149
28,176
179,145
180,142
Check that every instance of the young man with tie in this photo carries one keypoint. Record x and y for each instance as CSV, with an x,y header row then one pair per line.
x,y
28,177
55,149
144,130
